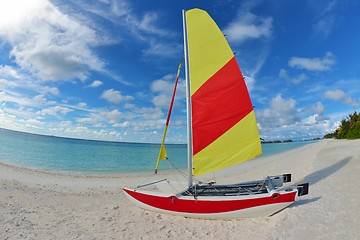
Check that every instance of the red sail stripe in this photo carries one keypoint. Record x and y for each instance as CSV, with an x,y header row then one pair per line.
x,y
220,103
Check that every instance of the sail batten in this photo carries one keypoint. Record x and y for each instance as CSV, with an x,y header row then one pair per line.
x,y
223,123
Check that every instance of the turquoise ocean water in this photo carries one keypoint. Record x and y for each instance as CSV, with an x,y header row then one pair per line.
x,y
85,156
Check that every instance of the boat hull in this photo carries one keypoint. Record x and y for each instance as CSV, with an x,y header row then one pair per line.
x,y
214,207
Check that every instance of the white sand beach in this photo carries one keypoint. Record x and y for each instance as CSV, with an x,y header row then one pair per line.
x,y
44,205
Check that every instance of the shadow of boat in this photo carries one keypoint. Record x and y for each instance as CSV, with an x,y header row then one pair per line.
x,y
321,174
318,176
304,201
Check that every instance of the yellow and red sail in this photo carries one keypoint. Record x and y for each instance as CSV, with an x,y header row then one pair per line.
x,y
224,129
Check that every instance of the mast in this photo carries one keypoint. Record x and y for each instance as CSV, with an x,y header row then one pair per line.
x,y
162,153
188,104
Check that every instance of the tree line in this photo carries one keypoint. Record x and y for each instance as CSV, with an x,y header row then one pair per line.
x,y
349,128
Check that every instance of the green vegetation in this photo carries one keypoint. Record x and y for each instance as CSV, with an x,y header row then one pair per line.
x,y
348,129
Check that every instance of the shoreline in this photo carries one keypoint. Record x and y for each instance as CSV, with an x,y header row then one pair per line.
x,y
38,204
55,178
6,163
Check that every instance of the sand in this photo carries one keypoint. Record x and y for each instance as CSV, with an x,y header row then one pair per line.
x,y
44,205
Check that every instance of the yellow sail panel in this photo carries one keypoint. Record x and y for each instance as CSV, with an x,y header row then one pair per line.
x,y
162,152
208,50
239,144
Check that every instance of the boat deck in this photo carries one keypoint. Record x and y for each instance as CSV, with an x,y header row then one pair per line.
x,y
250,188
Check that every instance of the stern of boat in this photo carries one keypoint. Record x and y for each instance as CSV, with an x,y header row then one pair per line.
x,y
278,183
303,189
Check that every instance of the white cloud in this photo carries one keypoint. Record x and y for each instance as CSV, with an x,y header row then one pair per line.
x,y
327,19
294,80
336,94
324,26
145,27
19,82
18,99
313,64
318,108
33,121
155,115
147,24
164,89
4,84
65,124
8,71
82,104
161,101
40,99
20,112
150,113
250,83
283,74
114,96
91,121
122,125
12,11
54,111
298,79
311,120
84,132
162,49
129,105
113,116
254,69
96,83
163,85
315,119
248,26
48,43
121,13
318,117
148,125
280,113
339,95
52,90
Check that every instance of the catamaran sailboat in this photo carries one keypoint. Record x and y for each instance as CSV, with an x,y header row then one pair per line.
x,y
222,132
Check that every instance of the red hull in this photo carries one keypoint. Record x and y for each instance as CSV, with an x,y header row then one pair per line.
x,y
188,206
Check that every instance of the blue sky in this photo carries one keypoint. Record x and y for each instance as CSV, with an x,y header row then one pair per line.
x,y
105,69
